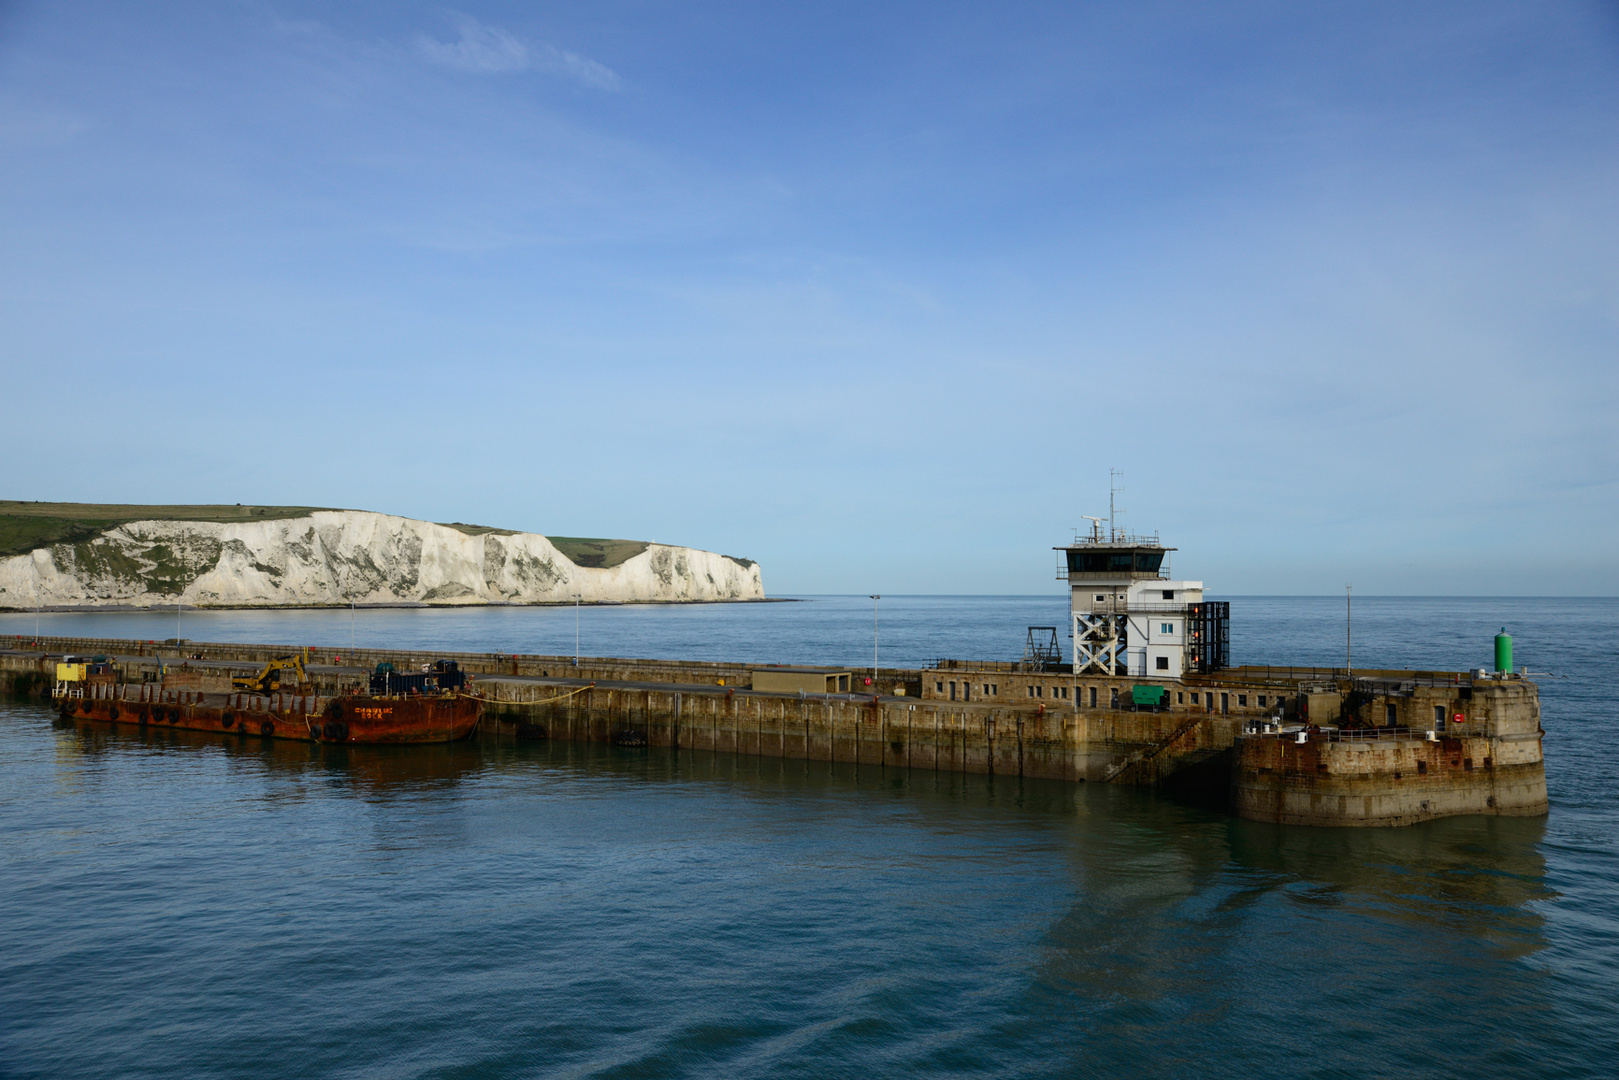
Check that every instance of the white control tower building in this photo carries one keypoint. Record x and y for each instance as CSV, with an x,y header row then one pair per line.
x,y
1131,618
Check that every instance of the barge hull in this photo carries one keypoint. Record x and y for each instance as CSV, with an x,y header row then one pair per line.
x,y
350,719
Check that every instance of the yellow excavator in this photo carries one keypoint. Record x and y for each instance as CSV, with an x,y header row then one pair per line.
x,y
272,677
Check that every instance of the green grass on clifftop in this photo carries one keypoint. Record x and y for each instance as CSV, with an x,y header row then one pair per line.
x,y
596,553
25,526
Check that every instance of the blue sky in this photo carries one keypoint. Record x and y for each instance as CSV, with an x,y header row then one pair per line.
x,y
873,294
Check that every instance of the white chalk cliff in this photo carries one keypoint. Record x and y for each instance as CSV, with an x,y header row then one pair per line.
x,y
335,557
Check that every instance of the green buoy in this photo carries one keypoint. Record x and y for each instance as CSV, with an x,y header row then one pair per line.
x,y
1503,651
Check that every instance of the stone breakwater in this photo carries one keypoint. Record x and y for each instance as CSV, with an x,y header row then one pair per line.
x,y
339,557
1267,741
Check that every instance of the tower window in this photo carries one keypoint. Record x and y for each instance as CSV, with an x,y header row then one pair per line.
x,y
1169,594
1101,596
1166,628
1163,663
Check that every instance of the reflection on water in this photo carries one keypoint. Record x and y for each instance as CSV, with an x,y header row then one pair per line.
x,y
507,909
373,769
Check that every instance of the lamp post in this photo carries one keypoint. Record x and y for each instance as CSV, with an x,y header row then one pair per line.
x,y
1349,629
576,598
874,599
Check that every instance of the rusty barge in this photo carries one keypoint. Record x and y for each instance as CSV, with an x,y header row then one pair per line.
x,y
431,707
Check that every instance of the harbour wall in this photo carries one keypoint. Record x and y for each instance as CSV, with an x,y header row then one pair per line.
x,y
1210,735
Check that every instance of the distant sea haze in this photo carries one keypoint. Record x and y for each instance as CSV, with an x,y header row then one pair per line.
x,y
1403,632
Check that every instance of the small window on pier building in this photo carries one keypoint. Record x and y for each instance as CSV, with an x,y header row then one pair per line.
x,y
1169,594
1163,663
939,686
1166,628
1180,699
1393,715
1093,697
1242,701
1115,697
1261,701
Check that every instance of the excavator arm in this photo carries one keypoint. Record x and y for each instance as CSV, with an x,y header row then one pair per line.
x,y
272,677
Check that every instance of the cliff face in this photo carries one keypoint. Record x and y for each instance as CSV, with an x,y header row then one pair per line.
x,y
338,556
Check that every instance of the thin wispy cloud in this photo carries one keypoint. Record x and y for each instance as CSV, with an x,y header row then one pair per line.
x,y
491,50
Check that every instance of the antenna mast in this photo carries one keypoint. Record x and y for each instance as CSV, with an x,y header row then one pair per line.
x,y
1113,510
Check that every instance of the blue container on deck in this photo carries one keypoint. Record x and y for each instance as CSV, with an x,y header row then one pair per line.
x,y
444,676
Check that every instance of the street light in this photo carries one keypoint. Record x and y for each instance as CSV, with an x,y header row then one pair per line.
x,y
874,599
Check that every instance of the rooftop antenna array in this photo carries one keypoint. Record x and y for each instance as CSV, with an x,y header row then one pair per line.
x,y
1113,509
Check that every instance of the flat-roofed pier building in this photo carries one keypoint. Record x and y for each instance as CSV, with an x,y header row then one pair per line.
x,y
1131,617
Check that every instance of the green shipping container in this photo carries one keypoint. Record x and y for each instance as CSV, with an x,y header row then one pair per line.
x,y
1147,695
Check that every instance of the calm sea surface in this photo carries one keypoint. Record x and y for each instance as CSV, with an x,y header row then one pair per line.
x,y
177,904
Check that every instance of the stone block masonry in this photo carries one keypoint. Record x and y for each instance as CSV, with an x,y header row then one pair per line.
x,y
1217,732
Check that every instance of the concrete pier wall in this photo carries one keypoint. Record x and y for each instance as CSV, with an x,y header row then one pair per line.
x,y
1491,764
1390,776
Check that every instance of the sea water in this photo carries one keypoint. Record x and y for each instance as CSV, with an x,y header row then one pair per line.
x,y
183,904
